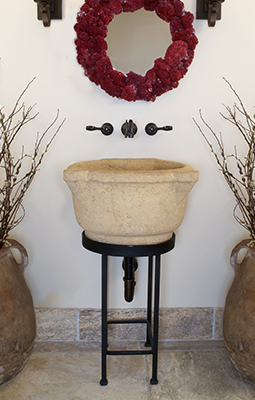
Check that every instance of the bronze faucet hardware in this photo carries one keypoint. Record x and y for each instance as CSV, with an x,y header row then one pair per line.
x,y
106,128
151,128
48,10
129,129
210,10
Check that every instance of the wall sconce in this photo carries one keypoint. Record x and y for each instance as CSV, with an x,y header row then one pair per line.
x,y
48,10
210,10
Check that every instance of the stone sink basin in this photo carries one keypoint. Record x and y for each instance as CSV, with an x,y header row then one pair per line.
x,y
130,201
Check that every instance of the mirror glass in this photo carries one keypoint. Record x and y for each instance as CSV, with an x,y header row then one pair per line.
x,y
136,39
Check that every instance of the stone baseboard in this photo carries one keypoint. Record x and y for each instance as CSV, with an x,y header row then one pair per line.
x,y
84,325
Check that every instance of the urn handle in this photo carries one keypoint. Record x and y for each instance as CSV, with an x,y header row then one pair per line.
x,y
24,256
244,244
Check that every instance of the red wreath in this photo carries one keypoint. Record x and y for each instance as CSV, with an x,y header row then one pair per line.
x,y
91,29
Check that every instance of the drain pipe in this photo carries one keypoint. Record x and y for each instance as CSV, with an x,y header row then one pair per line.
x,y
129,265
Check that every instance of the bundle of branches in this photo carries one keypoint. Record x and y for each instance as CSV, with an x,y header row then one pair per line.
x,y
16,175
241,178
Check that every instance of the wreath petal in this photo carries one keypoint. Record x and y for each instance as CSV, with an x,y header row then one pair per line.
x,y
91,29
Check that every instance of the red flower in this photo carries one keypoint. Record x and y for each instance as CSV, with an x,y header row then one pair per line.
x,y
176,52
178,6
82,36
176,75
165,10
145,92
84,8
129,93
113,5
97,56
99,44
175,27
158,88
81,21
103,66
192,42
175,84
150,77
81,61
93,3
187,19
118,78
189,59
163,76
162,73
105,15
150,5
134,79
183,35
85,44
88,19
86,58
93,30
131,5
183,67
159,63
90,72
108,85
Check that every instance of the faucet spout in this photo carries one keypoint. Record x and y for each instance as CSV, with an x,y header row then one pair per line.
x,y
129,129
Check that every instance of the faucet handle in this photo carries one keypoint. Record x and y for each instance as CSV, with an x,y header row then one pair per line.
x,y
151,128
129,129
106,128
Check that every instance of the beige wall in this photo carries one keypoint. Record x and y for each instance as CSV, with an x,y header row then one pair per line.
x,y
63,274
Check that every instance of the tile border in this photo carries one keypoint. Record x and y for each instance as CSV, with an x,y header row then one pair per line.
x,y
84,325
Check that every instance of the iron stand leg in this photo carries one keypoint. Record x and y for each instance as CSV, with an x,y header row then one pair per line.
x,y
149,298
130,252
154,379
103,381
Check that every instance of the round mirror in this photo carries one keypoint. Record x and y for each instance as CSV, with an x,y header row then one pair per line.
x,y
135,40
152,61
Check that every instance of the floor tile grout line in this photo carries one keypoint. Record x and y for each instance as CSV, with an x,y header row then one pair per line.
x,y
147,377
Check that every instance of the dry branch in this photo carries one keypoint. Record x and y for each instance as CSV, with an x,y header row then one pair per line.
x,y
240,179
15,176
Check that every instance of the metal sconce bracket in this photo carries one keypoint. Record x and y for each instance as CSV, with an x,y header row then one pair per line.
x,y
48,10
210,10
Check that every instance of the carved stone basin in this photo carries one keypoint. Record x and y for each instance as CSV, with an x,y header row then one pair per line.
x,y
130,201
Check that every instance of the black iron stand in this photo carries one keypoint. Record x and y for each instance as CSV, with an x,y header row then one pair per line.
x,y
151,337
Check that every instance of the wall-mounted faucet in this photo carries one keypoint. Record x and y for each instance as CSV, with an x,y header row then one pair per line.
x,y
129,129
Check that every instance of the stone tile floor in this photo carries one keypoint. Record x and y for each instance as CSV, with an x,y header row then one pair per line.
x,y
187,371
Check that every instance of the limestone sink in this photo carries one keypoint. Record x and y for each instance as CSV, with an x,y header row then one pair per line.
x,y
130,201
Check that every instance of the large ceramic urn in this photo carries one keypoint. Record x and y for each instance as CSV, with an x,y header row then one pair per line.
x,y
239,314
17,317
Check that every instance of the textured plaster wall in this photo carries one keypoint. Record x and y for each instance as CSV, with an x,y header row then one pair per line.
x,y
61,272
